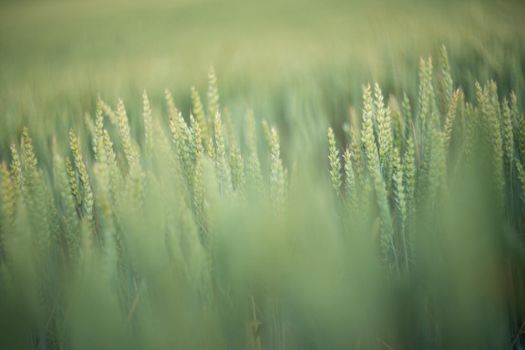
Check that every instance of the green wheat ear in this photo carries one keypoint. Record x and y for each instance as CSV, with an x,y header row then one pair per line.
x,y
350,181
237,167
235,159
130,152
519,120
198,179
277,172
98,147
406,109
196,137
213,94
335,163
267,132
183,139
69,217
29,163
508,137
456,100
367,132
398,123
384,125
73,182
444,82
8,192
16,169
198,112
86,193
521,178
222,166
148,123
356,157
172,108
409,171
427,117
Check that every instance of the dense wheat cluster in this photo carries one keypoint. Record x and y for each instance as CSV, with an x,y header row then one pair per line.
x,y
197,234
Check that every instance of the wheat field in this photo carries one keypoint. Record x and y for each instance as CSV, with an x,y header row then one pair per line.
x,y
280,175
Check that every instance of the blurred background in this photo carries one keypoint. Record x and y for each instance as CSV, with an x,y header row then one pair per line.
x,y
57,56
